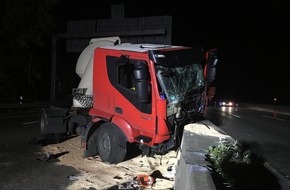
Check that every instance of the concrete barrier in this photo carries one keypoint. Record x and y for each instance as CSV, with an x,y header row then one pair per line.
x,y
192,171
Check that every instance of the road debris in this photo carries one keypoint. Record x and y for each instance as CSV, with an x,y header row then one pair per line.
x,y
145,180
77,177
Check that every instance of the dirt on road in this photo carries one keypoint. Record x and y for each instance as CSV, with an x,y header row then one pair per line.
x,y
27,164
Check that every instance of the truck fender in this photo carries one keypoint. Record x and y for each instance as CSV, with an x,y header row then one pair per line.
x,y
124,126
88,129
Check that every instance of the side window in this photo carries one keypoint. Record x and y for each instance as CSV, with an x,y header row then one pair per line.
x,y
122,72
126,76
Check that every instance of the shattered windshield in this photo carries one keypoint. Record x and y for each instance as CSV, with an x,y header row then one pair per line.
x,y
176,82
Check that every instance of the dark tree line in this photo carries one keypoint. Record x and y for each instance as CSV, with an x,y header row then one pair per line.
x,y
26,28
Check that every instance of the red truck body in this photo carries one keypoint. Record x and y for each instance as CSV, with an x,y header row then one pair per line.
x,y
141,94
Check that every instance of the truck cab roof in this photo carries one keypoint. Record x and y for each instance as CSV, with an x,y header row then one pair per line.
x,y
141,47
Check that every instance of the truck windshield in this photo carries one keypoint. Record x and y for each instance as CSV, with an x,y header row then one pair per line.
x,y
176,82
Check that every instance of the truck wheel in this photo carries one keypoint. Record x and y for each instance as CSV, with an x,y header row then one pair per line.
x,y
92,144
112,144
52,126
43,125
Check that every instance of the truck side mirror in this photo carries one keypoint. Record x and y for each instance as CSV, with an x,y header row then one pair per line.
x,y
142,81
123,60
211,65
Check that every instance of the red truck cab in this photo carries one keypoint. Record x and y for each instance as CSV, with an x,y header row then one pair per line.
x,y
134,94
145,93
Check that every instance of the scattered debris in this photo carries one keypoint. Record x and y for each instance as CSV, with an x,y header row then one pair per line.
x,y
117,177
145,180
171,172
48,156
131,185
77,177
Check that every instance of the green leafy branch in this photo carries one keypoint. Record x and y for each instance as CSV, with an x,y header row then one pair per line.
x,y
226,156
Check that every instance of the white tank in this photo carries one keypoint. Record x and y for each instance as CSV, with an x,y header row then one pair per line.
x,y
84,66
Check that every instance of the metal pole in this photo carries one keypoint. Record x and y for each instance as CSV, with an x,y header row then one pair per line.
x,y
53,67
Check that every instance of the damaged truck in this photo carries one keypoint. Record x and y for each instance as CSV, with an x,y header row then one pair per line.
x,y
133,94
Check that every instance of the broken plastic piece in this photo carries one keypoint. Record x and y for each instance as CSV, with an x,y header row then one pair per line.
x,y
131,185
76,177
145,180
171,172
46,157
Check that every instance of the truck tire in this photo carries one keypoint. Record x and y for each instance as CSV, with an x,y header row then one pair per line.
x,y
43,124
92,144
111,143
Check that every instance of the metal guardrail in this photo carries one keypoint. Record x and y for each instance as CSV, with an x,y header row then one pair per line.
x,y
26,107
18,106
14,109
33,105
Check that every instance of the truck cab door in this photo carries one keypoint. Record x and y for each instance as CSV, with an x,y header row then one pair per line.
x,y
133,95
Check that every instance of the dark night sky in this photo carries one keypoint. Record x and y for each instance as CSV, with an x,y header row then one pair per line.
x,y
252,38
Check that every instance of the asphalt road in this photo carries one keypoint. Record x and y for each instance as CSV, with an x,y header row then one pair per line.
x,y
265,132
266,135
19,164
24,164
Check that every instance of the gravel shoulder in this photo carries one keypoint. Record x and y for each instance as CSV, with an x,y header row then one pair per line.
x,y
27,164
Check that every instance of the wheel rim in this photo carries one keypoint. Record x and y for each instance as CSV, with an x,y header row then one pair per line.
x,y
106,145
43,123
111,144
